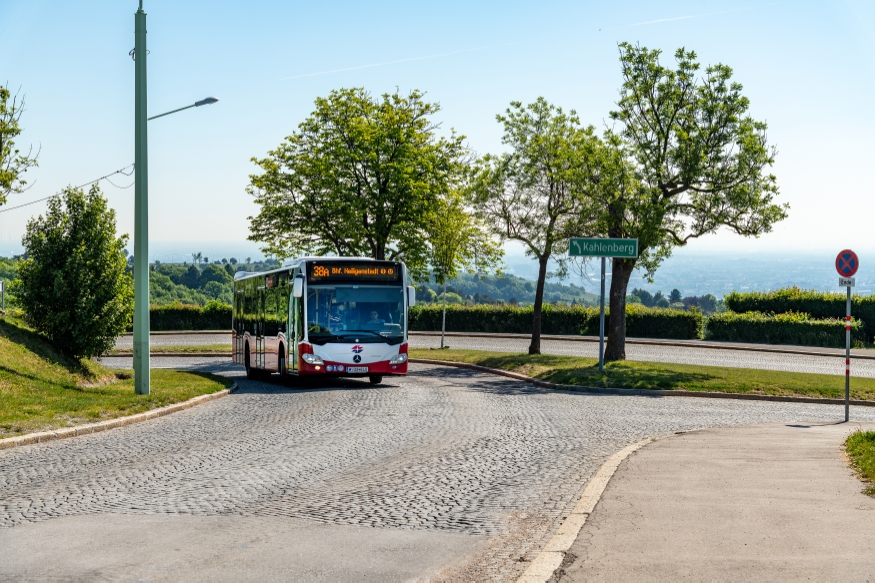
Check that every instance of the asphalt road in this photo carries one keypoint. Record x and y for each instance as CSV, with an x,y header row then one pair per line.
x,y
653,353
445,473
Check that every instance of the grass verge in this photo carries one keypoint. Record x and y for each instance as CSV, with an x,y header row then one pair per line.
x,y
860,446
574,370
179,349
43,389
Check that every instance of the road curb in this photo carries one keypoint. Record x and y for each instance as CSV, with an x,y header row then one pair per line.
x,y
67,432
643,392
709,344
550,558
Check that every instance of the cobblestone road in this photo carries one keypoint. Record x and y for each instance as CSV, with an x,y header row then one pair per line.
x,y
439,450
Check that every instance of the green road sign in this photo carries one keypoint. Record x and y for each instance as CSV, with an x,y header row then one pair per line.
x,y
581,247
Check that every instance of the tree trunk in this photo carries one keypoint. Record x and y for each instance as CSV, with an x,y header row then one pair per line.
x,y
444,321
535,346
621,271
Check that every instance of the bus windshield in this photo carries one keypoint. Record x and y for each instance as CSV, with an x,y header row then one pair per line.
x,y
355,313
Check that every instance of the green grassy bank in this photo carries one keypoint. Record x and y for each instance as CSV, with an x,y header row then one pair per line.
x,y
42,389
861,450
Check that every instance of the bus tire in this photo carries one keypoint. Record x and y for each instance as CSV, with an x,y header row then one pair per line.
x,y
251,373
282,367
376,379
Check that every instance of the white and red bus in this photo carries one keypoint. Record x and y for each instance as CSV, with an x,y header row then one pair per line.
x,y
323,316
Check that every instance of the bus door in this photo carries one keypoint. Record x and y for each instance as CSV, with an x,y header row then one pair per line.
x,y
293,336
259,327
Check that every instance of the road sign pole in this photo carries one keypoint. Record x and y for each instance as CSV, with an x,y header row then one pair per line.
x,y
602,322
848,358
847,264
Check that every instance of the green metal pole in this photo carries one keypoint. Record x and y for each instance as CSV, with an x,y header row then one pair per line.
x,y
141,211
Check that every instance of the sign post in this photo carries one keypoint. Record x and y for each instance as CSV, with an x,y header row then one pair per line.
x,y
604,248
847,264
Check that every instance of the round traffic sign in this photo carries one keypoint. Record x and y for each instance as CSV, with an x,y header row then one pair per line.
x,y
847,263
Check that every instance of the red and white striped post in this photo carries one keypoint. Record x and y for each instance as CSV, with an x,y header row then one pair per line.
x,y
848,357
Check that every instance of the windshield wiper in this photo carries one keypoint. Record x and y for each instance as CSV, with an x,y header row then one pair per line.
x,y
389,339
320,340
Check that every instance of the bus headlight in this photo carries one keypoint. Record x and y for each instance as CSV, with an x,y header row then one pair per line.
x,y
311,359
398,359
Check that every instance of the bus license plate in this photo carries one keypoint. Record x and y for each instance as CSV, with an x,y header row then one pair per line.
x,y
356,369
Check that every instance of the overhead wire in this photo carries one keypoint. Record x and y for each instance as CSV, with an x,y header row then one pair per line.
x,y
123,171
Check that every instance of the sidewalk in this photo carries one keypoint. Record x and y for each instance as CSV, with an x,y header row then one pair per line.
x,y
759,502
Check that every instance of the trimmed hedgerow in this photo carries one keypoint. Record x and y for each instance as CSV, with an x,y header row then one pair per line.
x,y
640,321
213,316
789,328
816,304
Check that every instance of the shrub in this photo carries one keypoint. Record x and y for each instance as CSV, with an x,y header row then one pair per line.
x,y
213,316
573,320
816,304
789,328
73,286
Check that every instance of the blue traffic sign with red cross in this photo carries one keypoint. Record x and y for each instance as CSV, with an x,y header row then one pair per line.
x,y
847,263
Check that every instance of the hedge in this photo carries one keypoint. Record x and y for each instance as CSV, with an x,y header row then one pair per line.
x,y
213,316
816,304
789,328
641,322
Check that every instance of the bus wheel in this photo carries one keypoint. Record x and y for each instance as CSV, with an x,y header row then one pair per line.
x,y
281,366
376,379
251,373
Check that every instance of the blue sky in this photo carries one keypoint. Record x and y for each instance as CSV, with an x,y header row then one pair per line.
x,y
806,66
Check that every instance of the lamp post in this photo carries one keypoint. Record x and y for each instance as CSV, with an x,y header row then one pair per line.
x,y
141,205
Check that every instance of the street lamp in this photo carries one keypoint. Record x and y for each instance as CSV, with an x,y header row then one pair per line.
x,y
206,101
141,205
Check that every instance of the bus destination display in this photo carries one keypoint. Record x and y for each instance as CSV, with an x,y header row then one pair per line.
x,y
355,272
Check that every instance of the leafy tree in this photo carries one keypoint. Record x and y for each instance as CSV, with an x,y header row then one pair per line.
x,y
645,296
538,193
662,302
233,261
450,298
13,164
674,296
361,176
708,303
687,159
458,240
73,287
196,257
192,277
214,273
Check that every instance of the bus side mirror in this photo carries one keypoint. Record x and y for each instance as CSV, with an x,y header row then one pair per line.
x,y
411,296
298,287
